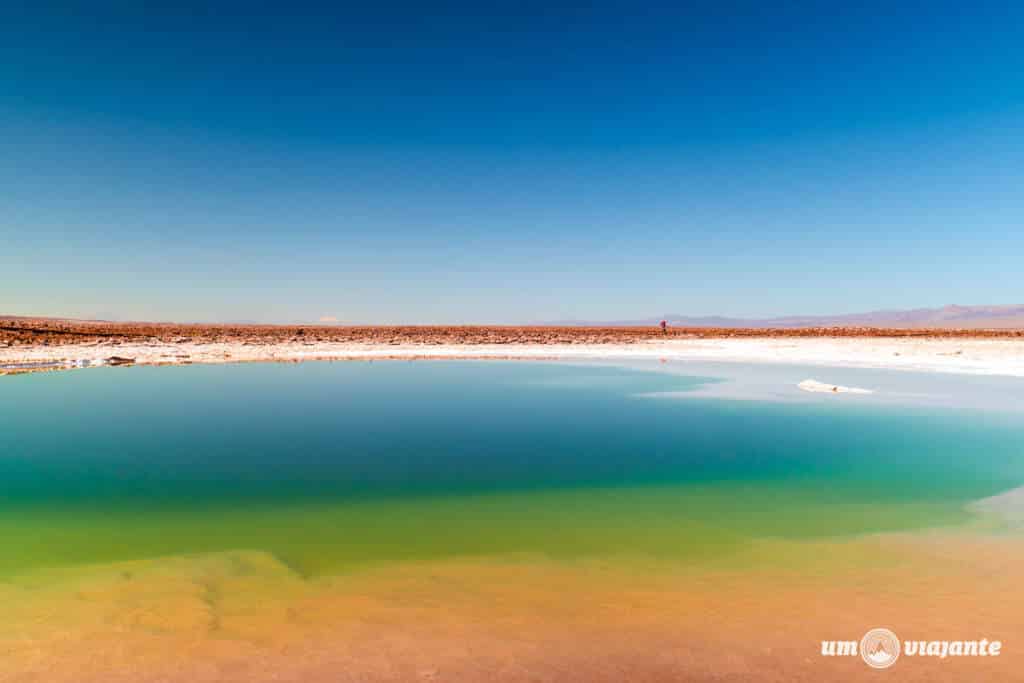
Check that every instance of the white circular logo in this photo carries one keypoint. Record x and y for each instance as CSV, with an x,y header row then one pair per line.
x,y
880,648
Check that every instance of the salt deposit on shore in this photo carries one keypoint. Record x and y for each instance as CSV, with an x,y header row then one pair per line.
x,y
967,356
815,386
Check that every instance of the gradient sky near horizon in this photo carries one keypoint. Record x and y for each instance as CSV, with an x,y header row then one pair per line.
x,y
508,162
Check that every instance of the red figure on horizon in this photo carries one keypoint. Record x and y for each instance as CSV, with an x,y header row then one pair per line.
x,y
664,327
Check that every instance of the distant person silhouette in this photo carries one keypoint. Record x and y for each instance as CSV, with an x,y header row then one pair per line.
x,y
664,327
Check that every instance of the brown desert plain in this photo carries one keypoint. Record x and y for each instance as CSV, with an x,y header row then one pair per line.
x,y
40,344
22,331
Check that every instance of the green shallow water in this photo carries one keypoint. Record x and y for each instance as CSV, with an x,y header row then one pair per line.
x,y
335,466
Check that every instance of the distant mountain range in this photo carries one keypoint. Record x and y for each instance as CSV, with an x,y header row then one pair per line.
x,y
1009,317
947,317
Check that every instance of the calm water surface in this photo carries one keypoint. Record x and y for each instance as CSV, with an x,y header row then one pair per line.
x,y
334,466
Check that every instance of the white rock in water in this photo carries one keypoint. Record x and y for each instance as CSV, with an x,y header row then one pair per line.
x,y
820,387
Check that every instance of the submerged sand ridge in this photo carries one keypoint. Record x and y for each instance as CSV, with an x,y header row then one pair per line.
x,y
30,345
242,616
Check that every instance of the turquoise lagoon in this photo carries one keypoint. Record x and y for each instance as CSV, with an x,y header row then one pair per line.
x,y
332,467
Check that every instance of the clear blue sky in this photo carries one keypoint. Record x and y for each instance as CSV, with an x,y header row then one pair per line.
x,y
459,162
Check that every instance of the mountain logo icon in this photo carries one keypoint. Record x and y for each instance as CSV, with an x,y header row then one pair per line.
x,y
880,648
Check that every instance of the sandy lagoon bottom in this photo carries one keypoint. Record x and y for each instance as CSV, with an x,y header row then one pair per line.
x,y
467,521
